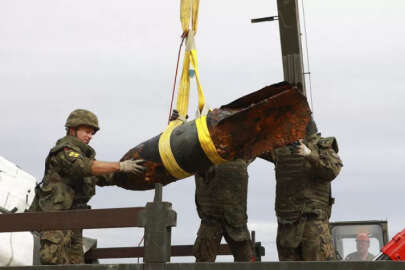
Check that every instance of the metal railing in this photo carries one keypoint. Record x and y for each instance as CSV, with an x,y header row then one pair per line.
x,y
156,218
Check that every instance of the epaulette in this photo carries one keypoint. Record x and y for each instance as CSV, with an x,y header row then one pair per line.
x,y
329,142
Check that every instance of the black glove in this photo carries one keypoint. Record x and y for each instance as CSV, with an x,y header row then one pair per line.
x,y
174,116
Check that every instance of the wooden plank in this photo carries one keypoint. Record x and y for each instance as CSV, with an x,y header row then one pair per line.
x,y
115,253
138,252
71,219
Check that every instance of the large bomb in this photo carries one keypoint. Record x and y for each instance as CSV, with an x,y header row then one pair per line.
x,y
245,128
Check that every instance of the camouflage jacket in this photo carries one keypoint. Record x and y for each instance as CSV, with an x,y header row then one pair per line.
x,y
67,182
221,193
303,183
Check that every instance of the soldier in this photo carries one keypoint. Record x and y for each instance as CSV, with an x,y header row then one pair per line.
x,y
304,172
71,173
221,199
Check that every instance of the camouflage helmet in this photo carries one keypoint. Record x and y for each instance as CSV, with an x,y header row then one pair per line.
x,y
311,127
82,117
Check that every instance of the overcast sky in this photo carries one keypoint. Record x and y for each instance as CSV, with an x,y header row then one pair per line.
x,y
117,58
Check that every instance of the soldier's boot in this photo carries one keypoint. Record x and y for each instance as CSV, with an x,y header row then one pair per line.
x,y
207,244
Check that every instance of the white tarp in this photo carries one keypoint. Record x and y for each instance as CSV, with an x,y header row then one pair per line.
x,y
17,190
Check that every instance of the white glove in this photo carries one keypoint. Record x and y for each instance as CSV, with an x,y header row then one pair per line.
x,y
303,150
132,166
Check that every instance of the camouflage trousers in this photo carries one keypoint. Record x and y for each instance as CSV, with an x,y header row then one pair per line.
x,y
61,247
305,240
208,241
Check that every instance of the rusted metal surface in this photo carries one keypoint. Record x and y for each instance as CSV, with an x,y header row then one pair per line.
x,y
138,252
259,122
269,118
76,219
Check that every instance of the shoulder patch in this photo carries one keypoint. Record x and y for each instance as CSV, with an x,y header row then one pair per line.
x,y
329,142
71,154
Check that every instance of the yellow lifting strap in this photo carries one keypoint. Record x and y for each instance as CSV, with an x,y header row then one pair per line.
x,y
166,153
188,9
190,57
206,142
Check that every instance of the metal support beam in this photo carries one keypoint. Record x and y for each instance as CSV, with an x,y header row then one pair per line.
x,y
157,218
290,37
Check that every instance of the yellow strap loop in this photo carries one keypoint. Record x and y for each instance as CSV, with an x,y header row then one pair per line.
x,y
201,98
206,142
184,88
166,153
190,57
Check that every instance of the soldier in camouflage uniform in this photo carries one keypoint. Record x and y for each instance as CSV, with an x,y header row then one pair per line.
x,y
304,172
221,199
71,173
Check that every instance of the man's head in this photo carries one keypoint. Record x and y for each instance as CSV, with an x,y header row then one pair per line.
x,y
362,242
82,124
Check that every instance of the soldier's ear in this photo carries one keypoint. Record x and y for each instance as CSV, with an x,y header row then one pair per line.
x,y
71,131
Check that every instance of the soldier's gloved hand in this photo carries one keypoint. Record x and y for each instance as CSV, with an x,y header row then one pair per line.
x,y
302,149
132,166
174,116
